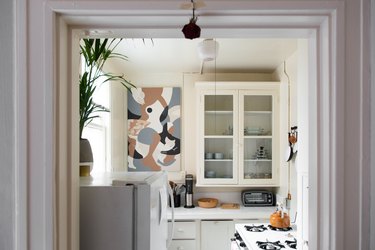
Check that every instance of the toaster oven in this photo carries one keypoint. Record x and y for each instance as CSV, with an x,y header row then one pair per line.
x,y
258,198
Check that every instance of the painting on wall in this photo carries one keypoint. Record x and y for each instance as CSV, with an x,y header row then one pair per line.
x,y
154,129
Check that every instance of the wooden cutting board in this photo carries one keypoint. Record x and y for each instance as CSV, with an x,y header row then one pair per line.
x,y
230,206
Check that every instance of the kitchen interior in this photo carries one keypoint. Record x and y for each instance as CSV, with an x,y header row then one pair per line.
x,y
240,180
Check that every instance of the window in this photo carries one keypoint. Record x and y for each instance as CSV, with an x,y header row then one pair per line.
x,y
98,131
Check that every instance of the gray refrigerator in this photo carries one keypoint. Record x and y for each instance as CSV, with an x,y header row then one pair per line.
x,y
124,211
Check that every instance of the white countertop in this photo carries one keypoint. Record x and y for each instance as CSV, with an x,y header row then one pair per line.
x,y
198,213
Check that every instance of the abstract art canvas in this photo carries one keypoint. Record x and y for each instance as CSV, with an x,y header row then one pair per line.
x,y
154,129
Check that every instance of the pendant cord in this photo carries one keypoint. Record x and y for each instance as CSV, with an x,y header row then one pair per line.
x,y
289,107
193,9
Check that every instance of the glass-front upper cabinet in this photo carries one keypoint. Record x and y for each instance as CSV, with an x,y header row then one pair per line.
x,y
237,134
219,118
258,137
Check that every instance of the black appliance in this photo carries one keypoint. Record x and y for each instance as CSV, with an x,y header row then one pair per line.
x,y
189,191
258,198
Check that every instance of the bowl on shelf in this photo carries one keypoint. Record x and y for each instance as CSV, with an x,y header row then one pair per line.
x,y
207,202
219,155
209,174
208,155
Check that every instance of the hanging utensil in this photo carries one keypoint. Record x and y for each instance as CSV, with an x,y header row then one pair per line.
x,y
173,186
292,139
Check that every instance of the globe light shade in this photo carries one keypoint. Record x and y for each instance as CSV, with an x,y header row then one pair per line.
x,y
208,50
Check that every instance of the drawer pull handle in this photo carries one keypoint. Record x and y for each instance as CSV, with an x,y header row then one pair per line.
x,y
180,248
180,230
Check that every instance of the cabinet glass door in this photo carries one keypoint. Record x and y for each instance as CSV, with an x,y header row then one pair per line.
x,y
256,132
219,128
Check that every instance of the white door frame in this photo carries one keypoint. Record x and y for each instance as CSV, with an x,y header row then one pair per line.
x,y
321,22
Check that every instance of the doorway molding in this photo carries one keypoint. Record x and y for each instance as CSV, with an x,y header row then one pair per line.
x,y
321,22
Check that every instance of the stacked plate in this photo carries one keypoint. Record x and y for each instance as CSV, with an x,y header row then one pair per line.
x,y
253,131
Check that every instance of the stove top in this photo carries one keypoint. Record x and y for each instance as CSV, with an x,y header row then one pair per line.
x,y
263,236
253,228
284,229
292,243
270,245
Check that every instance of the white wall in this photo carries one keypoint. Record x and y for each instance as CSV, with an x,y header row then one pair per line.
x,y
294,174
290,116
188,104
7,136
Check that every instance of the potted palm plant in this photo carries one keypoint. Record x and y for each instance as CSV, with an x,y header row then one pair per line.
x,y
95,52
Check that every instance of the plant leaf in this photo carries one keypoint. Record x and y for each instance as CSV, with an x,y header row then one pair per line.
x,y
95,53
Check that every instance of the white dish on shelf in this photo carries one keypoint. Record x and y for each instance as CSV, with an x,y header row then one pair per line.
x,y
210,174
254,131
219,155
208,156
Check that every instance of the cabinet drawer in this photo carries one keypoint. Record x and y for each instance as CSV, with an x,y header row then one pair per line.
x,y
183,230
183,245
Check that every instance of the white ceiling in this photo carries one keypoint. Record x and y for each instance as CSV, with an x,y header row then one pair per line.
x,y
180,55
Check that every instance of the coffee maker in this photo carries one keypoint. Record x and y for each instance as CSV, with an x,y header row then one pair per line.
x,y
189,191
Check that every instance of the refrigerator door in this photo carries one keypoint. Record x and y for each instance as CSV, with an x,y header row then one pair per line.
x,y
126,211
151,213
106,218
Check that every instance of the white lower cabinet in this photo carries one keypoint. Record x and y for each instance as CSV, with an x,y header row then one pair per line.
x,y
184,230
206,234
216,235
185,235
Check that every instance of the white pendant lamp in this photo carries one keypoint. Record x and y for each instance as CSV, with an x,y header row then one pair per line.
x,y
208,49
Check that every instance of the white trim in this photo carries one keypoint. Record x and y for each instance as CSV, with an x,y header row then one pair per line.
x,y
48,144
338,130
67,134
372,124
324,124
312,174
20,151
365,140
327,140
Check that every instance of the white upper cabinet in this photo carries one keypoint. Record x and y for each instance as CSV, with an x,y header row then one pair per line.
x,y
218,137
238,133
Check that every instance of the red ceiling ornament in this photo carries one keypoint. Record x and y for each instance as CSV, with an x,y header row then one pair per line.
x,y
192,30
